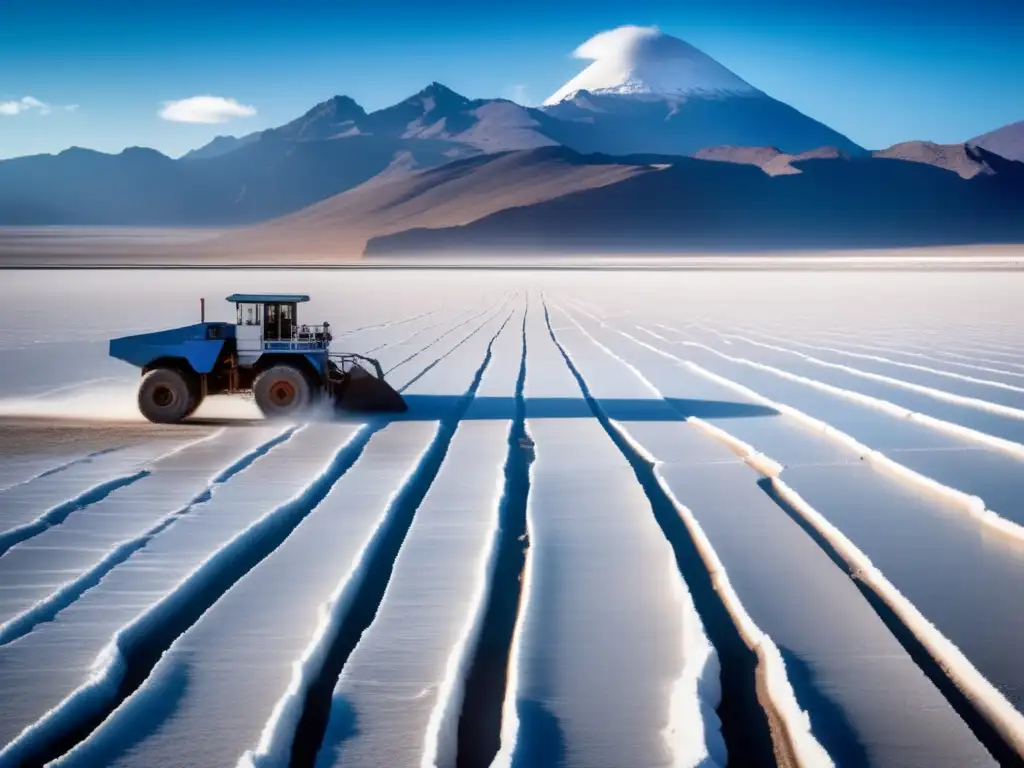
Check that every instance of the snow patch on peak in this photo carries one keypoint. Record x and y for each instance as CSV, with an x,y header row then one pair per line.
x,y
634,60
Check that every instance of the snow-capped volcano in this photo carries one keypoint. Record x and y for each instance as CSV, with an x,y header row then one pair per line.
x,y
648,92
644,60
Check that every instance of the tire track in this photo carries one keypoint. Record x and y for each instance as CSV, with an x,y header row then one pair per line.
x,y
48,608
479,727
745,725
330,651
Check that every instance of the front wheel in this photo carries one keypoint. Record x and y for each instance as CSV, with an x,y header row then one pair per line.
x,y
282,392
165,396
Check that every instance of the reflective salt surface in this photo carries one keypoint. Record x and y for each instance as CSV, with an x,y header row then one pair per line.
x,y
193,596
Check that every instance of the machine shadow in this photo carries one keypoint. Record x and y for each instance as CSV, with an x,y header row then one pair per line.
x,y
438,407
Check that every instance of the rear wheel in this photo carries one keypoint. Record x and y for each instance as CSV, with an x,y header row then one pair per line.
x,y
282,392
165,396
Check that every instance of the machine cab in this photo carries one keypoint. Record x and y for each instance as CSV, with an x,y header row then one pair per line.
x,y
269,323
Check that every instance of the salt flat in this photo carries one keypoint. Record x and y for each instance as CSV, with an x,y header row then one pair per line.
x,y
614,494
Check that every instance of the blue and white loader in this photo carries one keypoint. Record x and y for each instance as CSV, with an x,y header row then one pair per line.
x,y
287,366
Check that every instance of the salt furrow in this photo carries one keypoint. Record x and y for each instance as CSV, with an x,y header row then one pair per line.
x,y
972,504
938,394
62,563
610,665
982,696
708,404
373,340
77,488
297,727
975,358
216,636
66,675
925,373
485,654
853,707
399,693
962,348
907,422
389,363
932,358
24,500
985,428
389,341
844,687
500,317
245,653
22,470
386,324
771,546
989,701
931,553
943,347
792,741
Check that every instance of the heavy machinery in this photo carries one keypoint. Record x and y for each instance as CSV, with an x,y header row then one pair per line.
x,y
287,366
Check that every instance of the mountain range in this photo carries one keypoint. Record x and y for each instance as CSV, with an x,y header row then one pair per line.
x,y
827,201
658,127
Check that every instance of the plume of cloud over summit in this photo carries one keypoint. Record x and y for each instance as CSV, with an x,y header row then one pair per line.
x,y
614,43
205,109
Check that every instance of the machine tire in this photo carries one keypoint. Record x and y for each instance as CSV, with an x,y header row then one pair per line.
x,y
282,392
165,396
197,395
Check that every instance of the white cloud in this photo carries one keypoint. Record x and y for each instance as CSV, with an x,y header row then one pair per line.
x,y
614,42
205,109
24,104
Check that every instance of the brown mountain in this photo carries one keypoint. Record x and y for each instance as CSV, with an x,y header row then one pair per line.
x,y
452,195
962,159
771,160
1007,141
693,204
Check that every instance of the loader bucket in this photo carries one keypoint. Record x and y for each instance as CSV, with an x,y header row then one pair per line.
x,y
362,392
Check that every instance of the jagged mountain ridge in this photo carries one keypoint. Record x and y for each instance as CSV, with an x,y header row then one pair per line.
x,y
645,92
436,112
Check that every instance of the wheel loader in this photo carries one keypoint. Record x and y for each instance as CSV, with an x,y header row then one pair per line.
x,y
287,366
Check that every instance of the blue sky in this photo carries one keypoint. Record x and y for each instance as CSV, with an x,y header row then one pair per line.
x,y
97,74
